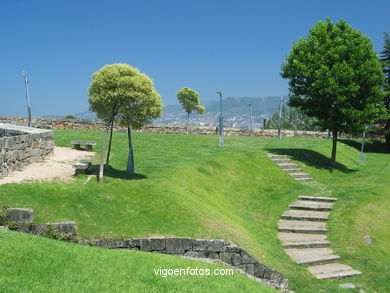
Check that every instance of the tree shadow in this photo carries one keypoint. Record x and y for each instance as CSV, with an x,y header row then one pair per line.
x,y
370,146
116,173
312,159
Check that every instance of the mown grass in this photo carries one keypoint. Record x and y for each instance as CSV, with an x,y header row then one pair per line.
x,y
187,186
36,264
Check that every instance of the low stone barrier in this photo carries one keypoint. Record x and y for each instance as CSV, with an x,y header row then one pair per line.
x,y
211,249
20,146
214,250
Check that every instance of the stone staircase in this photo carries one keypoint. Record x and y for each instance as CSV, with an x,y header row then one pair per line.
x,y
302,230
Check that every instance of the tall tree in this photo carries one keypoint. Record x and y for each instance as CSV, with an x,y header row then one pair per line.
x,y
335,76
189,99
119,91
385,58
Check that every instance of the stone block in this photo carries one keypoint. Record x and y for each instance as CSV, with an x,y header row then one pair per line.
x,y
153,244
246,257
248,268
19,215
232,248
111,244
210,245
133,243
195,254
233,259
178,245
66,228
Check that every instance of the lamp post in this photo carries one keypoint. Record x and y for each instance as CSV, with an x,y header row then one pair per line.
x,y
24,74
250,120
280,118
220,120
362,161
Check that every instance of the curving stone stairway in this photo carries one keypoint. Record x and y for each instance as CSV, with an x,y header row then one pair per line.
x,y
302,230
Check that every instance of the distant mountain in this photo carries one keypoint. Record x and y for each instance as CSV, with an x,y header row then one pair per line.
x,y
235,112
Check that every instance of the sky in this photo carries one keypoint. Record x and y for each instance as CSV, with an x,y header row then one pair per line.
x,y
238,46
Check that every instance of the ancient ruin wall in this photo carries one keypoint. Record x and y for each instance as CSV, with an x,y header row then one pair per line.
x,y
20,146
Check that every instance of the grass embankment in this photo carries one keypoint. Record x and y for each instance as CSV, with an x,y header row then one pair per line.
x,y
187,186
36,264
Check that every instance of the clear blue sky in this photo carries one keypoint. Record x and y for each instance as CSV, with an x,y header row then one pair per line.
x,y
206,45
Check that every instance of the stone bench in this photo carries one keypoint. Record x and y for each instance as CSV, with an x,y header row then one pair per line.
x,y
81,167
88,144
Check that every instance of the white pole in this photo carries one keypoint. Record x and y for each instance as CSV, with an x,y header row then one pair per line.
x,y
27,98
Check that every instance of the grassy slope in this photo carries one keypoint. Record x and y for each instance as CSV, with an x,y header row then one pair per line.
x,y
36,264
192,188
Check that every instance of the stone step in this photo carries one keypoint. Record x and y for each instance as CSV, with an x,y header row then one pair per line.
x,y
310,227
299,175
333,271
299,237
306,244
293,170
305,215
317,198
280,160
287,165
311,205
312,256
303,179
271,156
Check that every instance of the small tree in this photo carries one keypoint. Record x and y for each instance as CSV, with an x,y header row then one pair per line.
x,y
385,58
108,93
143,104
335,75
119,91
189,99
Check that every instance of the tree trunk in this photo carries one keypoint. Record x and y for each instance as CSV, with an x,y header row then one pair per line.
x,y
109,143
188,122
334,147
102,156
130,161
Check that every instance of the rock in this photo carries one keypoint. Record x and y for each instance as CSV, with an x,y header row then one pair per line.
x,y
178,245
347,286
246,257
248,268
233,259
153,244
19,215
212,245
368,240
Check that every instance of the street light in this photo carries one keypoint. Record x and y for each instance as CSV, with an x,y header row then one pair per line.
x,y
362,161
250,120
24,74
220,120
280,118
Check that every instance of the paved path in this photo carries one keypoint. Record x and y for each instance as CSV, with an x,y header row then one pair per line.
x,y
302,229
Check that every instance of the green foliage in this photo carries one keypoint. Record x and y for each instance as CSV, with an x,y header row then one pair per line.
x,y
70,117
335,76
385,59
52,233
293,118
189,99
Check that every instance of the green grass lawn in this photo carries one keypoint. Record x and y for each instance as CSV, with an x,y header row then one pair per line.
x,y
187,186
35,264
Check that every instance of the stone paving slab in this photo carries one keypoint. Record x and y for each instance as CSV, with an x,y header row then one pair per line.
x,y
306,244
333,271
305,215
287,165
303,179
311,205
299,175
317,198
299,237
302,226
311,256
292,170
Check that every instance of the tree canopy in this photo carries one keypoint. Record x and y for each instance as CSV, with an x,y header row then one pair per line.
x,y
335,76
121,92
385,58
189,99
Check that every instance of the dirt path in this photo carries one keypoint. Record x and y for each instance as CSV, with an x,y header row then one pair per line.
x,y
56,166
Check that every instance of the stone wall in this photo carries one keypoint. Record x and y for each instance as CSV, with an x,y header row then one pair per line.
x,y
83,124
20,146
217,250
213,250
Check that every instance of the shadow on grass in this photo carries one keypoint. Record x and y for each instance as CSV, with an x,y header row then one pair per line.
x,y
311,158
370,146
115,173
